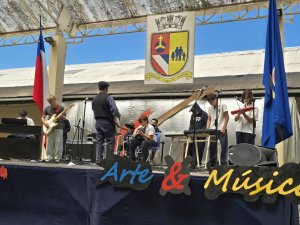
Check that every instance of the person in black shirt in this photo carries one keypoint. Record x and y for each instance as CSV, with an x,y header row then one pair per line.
x,y
105,111
198,121
54,145
66,129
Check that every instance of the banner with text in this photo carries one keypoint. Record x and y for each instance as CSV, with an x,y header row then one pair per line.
x,y
170,48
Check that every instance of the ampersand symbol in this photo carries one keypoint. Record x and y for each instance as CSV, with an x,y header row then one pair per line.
x,y
175,183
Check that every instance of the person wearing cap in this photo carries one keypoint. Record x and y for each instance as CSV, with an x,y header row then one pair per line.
x,y
23,115
198,121
105,110
244,128
222,122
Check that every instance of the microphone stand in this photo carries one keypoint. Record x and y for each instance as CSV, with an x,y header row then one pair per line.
x,y
254,121
217,122
82,131
72,142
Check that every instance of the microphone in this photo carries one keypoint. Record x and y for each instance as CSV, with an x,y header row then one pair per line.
x,y
85,100
218,93
238,98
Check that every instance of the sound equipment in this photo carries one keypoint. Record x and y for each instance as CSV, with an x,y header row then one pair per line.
x,y
18,145
252,155
239,110
14,121
86,151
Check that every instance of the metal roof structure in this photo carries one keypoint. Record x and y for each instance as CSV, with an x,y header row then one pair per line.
x,y
231,71
19,19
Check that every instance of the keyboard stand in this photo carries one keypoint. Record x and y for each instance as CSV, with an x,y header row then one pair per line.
x,y
176,139
208,139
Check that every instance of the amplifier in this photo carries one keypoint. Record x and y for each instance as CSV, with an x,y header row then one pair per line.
x,y
86,151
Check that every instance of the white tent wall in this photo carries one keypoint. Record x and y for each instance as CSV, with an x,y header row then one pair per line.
x,y
131,109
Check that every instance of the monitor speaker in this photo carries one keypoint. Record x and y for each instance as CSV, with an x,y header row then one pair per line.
x,y
85,151
252,155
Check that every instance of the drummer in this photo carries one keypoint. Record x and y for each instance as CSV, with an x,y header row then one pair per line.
x,y
245,122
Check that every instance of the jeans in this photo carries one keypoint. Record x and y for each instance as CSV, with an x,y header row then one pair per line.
x,y
105,131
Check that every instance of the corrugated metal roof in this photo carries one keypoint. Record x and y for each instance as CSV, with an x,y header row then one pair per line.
x,y
130,88
210,65
22,15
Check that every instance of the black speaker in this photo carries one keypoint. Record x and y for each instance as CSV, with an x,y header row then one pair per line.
x,y
252,155
85,151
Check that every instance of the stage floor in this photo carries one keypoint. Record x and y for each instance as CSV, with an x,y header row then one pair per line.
x,y
57,194
89,166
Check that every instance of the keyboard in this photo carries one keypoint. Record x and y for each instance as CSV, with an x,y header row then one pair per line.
x,y
202,131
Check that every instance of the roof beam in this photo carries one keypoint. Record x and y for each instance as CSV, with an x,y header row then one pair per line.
x,y
76,33
60,15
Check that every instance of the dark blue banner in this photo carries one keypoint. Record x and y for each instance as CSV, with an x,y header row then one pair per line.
x,y
276,120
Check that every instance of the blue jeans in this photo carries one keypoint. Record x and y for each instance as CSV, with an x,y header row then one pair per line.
x,y
105,131
145,145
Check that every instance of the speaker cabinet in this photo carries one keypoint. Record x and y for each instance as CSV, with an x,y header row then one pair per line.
x,y
85,151
252,155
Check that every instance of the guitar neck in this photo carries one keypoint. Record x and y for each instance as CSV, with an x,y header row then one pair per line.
x,y
63,112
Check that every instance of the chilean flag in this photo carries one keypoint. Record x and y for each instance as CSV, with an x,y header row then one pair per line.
x,y
41,84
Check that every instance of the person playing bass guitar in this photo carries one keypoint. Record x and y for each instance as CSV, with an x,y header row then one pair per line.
x,y
54,143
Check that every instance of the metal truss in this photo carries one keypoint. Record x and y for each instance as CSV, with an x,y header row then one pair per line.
x,y
76,33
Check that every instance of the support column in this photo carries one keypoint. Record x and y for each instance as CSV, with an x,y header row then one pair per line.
x,y
57,67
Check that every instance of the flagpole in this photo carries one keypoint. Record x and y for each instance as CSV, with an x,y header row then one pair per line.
x,y
281,145
281,24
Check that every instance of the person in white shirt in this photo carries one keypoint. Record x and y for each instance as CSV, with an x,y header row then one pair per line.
x,y
222,122
144,137
244,119
23,115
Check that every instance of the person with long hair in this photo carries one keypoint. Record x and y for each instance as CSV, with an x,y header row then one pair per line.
x,y
245,120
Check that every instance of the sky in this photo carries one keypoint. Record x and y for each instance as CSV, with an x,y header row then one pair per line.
x,y
225,37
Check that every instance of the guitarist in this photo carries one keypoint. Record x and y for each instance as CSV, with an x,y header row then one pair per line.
x,y
105,109
54,144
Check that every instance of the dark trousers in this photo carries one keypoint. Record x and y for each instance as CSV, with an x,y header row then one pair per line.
x,y
105,131
223,138
65,137
242,137
145,145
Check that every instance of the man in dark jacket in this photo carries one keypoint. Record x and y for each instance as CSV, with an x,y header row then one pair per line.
x,y
198,121
105,112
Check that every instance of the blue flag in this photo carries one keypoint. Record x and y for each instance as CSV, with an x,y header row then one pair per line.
x,y
277,124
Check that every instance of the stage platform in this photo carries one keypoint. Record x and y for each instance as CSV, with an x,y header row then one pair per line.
x,y
58,194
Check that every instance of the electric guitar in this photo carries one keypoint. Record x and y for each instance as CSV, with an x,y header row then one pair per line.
x,y
52,122
118,125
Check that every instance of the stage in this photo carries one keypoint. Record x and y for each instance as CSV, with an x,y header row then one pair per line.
x,y
48,194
